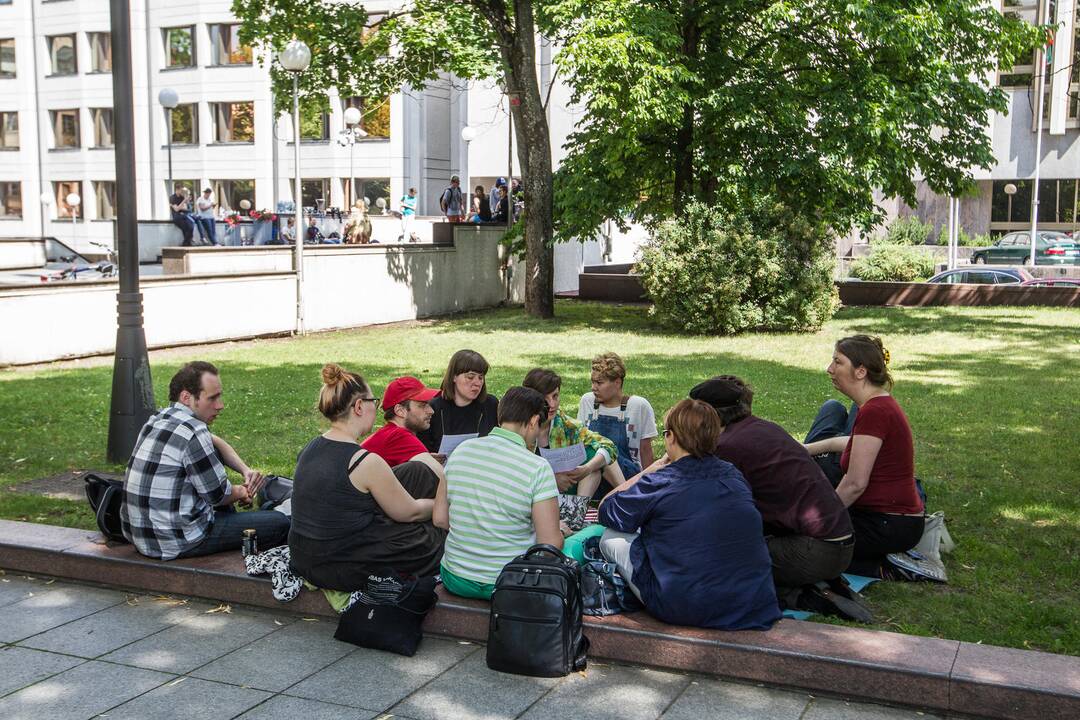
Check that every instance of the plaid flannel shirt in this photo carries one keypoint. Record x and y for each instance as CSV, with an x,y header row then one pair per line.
x,y
173,481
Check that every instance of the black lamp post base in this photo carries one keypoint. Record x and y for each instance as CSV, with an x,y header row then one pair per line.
x,y
132,388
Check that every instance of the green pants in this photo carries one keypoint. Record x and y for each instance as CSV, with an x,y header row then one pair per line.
x,y
464,587
574,546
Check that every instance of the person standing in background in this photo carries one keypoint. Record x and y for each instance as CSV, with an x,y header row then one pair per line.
x,y
407,207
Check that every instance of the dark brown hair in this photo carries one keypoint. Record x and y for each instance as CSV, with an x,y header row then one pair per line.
x,y
695,425
464,361
542,380
339,390
867,351
520,405
189,378
729,395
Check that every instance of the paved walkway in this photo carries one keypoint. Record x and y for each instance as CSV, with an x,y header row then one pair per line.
x,y
75,651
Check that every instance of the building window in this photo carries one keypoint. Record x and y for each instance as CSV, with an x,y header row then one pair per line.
x,y
105,199
9,130
371,189
228,50
192,185
103,127
314,125
62,54
374,115
230,193
185,124
63,188
65,128
10,200
7,58
100,51
234,122
313,190
1057,202
179,46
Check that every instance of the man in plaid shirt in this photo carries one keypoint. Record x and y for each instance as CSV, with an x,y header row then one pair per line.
x,y
176,477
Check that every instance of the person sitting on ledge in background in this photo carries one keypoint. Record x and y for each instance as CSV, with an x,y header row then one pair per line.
x,y
686,536
500,498
877,455
352,515
176,478
407,411
463,408
558,431
313,235
180,214
807,528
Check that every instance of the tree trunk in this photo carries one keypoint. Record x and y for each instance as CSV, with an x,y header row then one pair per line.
x,y
534,154
684,134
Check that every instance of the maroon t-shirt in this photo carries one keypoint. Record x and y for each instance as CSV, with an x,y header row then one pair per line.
x,y
394,444
892,479
790,490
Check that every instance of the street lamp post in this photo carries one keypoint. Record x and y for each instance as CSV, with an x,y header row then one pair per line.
x,y
169,100
132,390
468,134
73,200
295,58
349,136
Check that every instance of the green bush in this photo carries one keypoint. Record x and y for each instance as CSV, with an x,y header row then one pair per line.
x,y
964,240
893,263
723,270
905,231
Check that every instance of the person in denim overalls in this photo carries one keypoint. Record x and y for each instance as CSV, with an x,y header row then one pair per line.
x,y
626,420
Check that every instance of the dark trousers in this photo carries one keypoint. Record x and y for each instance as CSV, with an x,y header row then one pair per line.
x,y
877,535
186,225
799,560
227,531
833,420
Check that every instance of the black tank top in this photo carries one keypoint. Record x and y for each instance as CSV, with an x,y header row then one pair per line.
x,y
325,503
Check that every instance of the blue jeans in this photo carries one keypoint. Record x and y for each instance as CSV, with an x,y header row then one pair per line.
x,y
226,532
207,229
833,420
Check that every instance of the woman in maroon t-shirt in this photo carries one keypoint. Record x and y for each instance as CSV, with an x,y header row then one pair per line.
x,y
877,454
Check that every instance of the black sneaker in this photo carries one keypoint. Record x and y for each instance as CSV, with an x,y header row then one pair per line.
x,y
820,598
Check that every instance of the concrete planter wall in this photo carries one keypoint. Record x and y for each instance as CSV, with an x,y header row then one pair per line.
x,y
927,294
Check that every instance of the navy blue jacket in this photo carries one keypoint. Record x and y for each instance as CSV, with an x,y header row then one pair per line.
x,y
701,557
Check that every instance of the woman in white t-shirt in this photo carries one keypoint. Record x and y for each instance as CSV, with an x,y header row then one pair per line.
x,y
626,420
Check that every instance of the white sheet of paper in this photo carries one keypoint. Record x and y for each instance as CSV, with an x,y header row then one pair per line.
x,y
450,442
563,459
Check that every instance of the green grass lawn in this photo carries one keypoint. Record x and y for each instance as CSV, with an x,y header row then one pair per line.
x,y
993,395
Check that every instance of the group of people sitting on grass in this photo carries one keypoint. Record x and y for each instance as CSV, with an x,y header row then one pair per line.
x,y
723,530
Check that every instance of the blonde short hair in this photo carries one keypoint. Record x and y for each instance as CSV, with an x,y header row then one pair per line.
x,y
610,366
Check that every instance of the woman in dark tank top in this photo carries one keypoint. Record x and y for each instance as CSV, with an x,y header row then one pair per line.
x,y
352,515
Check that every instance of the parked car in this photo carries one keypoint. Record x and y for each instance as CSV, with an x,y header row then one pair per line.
x,y
988,276
1052,248
1052,282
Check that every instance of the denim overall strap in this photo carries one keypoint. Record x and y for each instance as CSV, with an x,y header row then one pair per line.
x,y
614,429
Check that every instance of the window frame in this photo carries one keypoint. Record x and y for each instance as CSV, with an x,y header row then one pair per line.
x,y
5,202
94,115
216,118
49,40
4,115
166,47
94,41
8,74
360,103
225,193
109,186
170,127
54,117
63,210
218,49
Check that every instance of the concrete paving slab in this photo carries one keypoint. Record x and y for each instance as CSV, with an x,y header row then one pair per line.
x,y
198,640
15,588
52,608
80,693
720,700
285,707
280,659
376,680
610,692
114,627
825,709
189,698
20,667
471,691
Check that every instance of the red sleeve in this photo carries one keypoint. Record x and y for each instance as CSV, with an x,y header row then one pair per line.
x,y
874,420
394,444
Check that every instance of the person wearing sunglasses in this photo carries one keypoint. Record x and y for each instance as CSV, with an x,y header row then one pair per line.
x,y
352,514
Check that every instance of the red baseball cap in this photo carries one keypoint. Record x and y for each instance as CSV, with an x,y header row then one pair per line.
x,y
406,388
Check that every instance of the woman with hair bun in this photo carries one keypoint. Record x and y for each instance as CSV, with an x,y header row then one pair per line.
x,y
869,455
352,515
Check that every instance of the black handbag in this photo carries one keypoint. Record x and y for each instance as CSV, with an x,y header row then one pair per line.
x,y
603,590
388,614
106,496
535,625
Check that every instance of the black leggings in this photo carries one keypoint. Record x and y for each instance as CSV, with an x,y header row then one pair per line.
x,y
877,535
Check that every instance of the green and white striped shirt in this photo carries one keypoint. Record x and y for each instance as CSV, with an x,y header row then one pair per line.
x,y
492,483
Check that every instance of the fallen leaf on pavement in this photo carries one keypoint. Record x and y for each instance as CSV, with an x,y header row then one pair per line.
x,y
222,608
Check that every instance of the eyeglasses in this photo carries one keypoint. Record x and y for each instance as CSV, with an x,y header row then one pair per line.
x,y
374,401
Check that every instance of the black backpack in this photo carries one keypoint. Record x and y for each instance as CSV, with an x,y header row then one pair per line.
x,y
535,626
106,496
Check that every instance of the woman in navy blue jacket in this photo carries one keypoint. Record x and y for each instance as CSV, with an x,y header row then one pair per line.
x,y
686,536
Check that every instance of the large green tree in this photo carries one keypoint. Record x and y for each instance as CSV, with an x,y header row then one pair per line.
x,y
814,103
374,56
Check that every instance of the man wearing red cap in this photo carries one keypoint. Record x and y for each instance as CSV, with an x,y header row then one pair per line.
x,y
407,412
